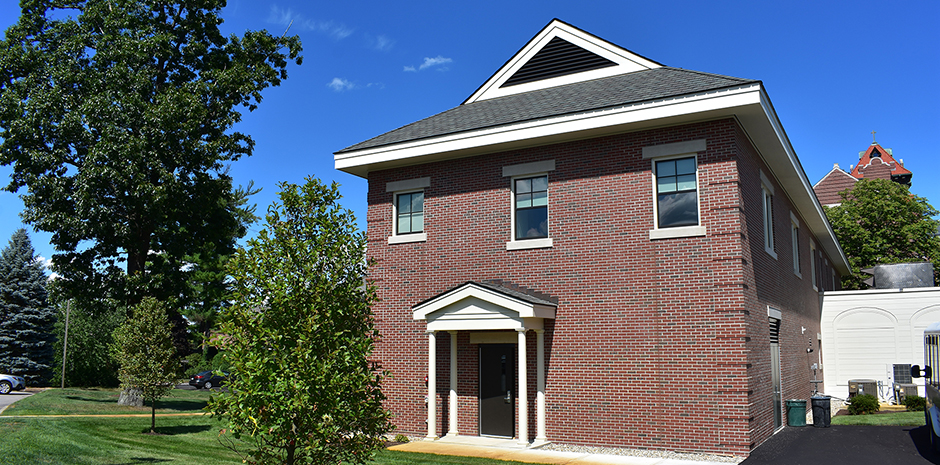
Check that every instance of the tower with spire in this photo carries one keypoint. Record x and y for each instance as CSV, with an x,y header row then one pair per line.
x,y
876,162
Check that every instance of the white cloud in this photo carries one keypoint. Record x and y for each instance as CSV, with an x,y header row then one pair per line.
x,y
410,69
383,43
285,17
339,85
437,62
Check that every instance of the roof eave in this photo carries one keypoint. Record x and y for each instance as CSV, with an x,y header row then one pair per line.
x,y
748,103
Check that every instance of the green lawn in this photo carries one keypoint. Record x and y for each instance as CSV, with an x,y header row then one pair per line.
x,y
73,401
882,419
121,440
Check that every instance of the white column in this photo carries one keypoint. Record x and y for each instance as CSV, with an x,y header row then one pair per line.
x,y
522,396
540,436
432,386
452,429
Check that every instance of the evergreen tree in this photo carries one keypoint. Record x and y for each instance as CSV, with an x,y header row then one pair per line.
x,y
26,318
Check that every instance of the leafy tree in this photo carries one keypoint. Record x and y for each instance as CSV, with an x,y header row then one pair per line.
x,y
299,336
26,318
143,346
209,285
91,330
881,222
117,117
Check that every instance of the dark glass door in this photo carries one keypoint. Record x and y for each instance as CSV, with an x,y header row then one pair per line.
x,y
497,382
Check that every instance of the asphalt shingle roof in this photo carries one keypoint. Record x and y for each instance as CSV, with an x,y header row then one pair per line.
x,y
568,99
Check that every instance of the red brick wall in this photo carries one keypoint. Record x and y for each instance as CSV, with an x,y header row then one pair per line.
x,y
656,344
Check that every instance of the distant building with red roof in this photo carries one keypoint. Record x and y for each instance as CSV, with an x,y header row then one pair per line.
x,y
875,163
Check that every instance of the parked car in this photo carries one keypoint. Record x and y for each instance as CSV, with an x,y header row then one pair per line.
x,y
11,383
207,379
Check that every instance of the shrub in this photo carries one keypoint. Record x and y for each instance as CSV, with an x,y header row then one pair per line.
x,y
915,403
401,438
863,404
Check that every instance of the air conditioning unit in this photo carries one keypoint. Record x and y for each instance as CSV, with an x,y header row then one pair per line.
x,y
858,387
902,373
903,390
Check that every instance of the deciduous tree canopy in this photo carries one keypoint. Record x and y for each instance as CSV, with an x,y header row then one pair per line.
x,y
117,117
299,336
881,222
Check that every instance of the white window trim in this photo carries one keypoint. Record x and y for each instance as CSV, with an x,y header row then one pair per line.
x,y
397,188
527,170
795,234
767,189
812,263
673,151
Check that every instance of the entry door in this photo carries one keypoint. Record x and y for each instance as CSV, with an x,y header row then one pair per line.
x,y
497,399
775,371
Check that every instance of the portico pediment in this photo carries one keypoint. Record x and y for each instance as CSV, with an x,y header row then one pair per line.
x,y
482,306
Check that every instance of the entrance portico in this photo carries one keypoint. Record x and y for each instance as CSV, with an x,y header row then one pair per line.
x,y
489,309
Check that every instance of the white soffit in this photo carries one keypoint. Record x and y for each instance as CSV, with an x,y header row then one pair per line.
x,y
626,62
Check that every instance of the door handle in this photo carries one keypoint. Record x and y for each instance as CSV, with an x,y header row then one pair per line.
x,y
508,398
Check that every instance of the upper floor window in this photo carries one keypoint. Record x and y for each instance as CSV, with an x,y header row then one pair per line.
x,y
812,264
767,196
528,184
408,210
795,240
676,193
531,207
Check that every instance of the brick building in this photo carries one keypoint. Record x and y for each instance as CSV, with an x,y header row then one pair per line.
x,y
595,248
876,162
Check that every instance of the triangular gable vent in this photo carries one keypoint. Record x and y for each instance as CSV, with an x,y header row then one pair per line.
x,y
558,58
558,55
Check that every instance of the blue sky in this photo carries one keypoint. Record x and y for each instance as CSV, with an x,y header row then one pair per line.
x,y
835,71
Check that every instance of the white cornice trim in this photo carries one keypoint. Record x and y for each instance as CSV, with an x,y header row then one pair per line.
x,y
627,62
749,94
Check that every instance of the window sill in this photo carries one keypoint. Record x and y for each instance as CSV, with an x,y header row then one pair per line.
x,y
670,233
798,274
770,252
530,244
406,238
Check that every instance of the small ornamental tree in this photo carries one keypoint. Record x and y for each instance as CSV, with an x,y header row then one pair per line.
x,y
143,346
299,335
881,222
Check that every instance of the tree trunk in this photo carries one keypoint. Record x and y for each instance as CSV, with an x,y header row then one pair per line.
x,y
132,397
153,415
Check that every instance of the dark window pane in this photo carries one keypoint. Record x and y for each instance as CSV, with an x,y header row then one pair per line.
x,y
532,223
410,216
679,209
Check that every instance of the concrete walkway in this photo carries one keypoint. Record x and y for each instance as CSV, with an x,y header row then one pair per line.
x,y
471,446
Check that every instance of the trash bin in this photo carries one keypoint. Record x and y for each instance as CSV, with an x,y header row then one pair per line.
x,y
821,411
796,412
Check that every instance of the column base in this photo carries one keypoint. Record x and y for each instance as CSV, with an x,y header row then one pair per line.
x,y
431,437
539,442
452,435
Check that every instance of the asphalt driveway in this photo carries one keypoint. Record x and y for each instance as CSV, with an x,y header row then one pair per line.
x,y
843,444
13,396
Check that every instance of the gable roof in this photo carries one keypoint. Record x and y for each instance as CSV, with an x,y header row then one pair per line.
x,y
560,54
636,94
875,156
579,97
828,188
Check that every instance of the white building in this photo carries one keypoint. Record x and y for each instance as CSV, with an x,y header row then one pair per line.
x,y
865,333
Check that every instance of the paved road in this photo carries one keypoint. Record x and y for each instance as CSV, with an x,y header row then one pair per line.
x,y
849,445
13,396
